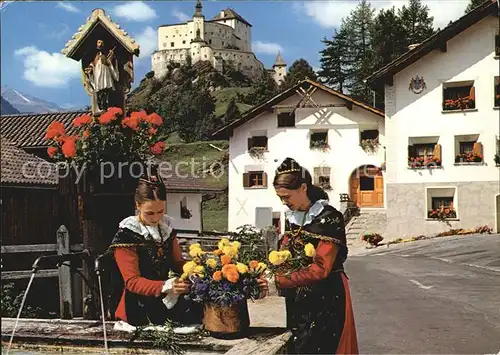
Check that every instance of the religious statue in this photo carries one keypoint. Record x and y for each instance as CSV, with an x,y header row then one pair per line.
x,y
102,77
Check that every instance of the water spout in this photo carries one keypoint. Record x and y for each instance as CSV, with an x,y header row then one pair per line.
x,y
20,310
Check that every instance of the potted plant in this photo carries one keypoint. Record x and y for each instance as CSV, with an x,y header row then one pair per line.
x,y
461,103
223,285
423,162
320,144
442,213
186,213
373,239
257,152
111,149
370,145
470,157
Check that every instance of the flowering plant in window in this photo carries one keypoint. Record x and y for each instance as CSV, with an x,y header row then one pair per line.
x,y
442,213
218,278
370,145
461,103
110,137
470,157
423,162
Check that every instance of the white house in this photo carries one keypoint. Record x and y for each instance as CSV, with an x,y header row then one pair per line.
x,y
320,128
442,103
225,37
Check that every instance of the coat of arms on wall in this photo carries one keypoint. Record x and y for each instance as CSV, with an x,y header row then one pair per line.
x,y
417,84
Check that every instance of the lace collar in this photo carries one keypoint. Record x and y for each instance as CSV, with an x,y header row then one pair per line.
x,y
148,232
296,217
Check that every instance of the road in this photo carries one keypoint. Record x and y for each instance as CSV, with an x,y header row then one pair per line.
x,y
438,296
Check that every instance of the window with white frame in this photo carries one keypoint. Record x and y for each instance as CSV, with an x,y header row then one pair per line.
x,y
441,203
424,152
468,149
321,177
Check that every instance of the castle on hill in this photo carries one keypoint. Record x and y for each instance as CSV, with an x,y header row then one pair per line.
x,y
227,37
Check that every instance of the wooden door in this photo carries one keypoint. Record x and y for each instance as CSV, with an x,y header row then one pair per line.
x,y
367,190
354,193
379,191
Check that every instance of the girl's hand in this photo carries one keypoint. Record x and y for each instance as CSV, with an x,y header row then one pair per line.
x,y
263,285
181,287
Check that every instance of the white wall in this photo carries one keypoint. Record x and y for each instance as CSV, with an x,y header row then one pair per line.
x,y
343,158
469,56
173,209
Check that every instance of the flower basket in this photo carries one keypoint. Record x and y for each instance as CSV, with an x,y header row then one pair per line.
x,y
226,321
370,145
257,152
373,239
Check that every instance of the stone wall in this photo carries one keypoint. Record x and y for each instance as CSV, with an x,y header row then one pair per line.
x,y
407,207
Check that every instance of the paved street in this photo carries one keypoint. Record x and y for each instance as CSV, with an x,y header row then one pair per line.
x,y
439,296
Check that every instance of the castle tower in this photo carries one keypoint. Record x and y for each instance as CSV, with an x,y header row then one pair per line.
x,y
279,68
199,20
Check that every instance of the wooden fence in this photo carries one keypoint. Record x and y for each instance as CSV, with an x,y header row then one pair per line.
x,y
70,285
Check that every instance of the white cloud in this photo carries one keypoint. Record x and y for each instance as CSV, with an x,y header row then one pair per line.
x,y
266,47
147,41
135,11
181,16
45,69
329,14
66,5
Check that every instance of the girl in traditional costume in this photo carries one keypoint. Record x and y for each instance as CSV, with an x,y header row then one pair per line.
x,y
146,250
318,302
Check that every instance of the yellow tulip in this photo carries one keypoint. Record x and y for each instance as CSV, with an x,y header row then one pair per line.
x,y
212,263
242,268
275,258
195,246
189,267
223,242
310,250
195,252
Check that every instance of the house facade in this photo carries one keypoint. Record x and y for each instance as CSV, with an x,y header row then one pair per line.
x,y
340,141
442,122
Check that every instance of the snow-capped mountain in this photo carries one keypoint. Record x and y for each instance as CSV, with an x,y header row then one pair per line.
x,y
6,108
28,104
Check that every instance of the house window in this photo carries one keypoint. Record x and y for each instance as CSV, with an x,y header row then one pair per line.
x,y
468,149
369,140
322,177
257,142
286,119
497,45
424,152
255,179
497,91
185,211
441,202
172,44
164,45
184,42
319,140
459,96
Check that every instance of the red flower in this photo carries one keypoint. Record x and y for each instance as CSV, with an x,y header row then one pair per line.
x,y
69,147
55,129
131,122
86,133
81,120
158,147
110,115
152,131
154,119
51,151
138,115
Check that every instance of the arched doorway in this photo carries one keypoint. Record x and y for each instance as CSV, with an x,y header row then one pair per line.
x,y
366,186
497,208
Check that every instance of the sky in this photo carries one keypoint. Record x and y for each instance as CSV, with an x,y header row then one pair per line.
x,y
34,33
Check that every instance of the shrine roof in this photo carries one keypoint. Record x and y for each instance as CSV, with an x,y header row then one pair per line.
x,y
99,15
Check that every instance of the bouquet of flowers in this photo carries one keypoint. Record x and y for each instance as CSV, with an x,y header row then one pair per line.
x,y
295,255
218,278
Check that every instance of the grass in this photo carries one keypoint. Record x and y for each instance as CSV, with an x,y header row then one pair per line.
x,y
223,97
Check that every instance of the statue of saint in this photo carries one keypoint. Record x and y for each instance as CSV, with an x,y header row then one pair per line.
x,y
101,77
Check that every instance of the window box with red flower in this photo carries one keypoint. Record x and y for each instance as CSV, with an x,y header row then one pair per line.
x,y
423,162
442,213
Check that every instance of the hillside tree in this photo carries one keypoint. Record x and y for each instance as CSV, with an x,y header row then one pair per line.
x,y
298,71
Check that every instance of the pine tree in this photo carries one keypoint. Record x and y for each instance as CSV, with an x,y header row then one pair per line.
x,y
298,71
333,61
416,22
473,4
232,112
388,37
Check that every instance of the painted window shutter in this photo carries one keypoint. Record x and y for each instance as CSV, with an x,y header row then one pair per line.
x,y
478,148
437,152
264,179
412,151
246,180
250,142
472,93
